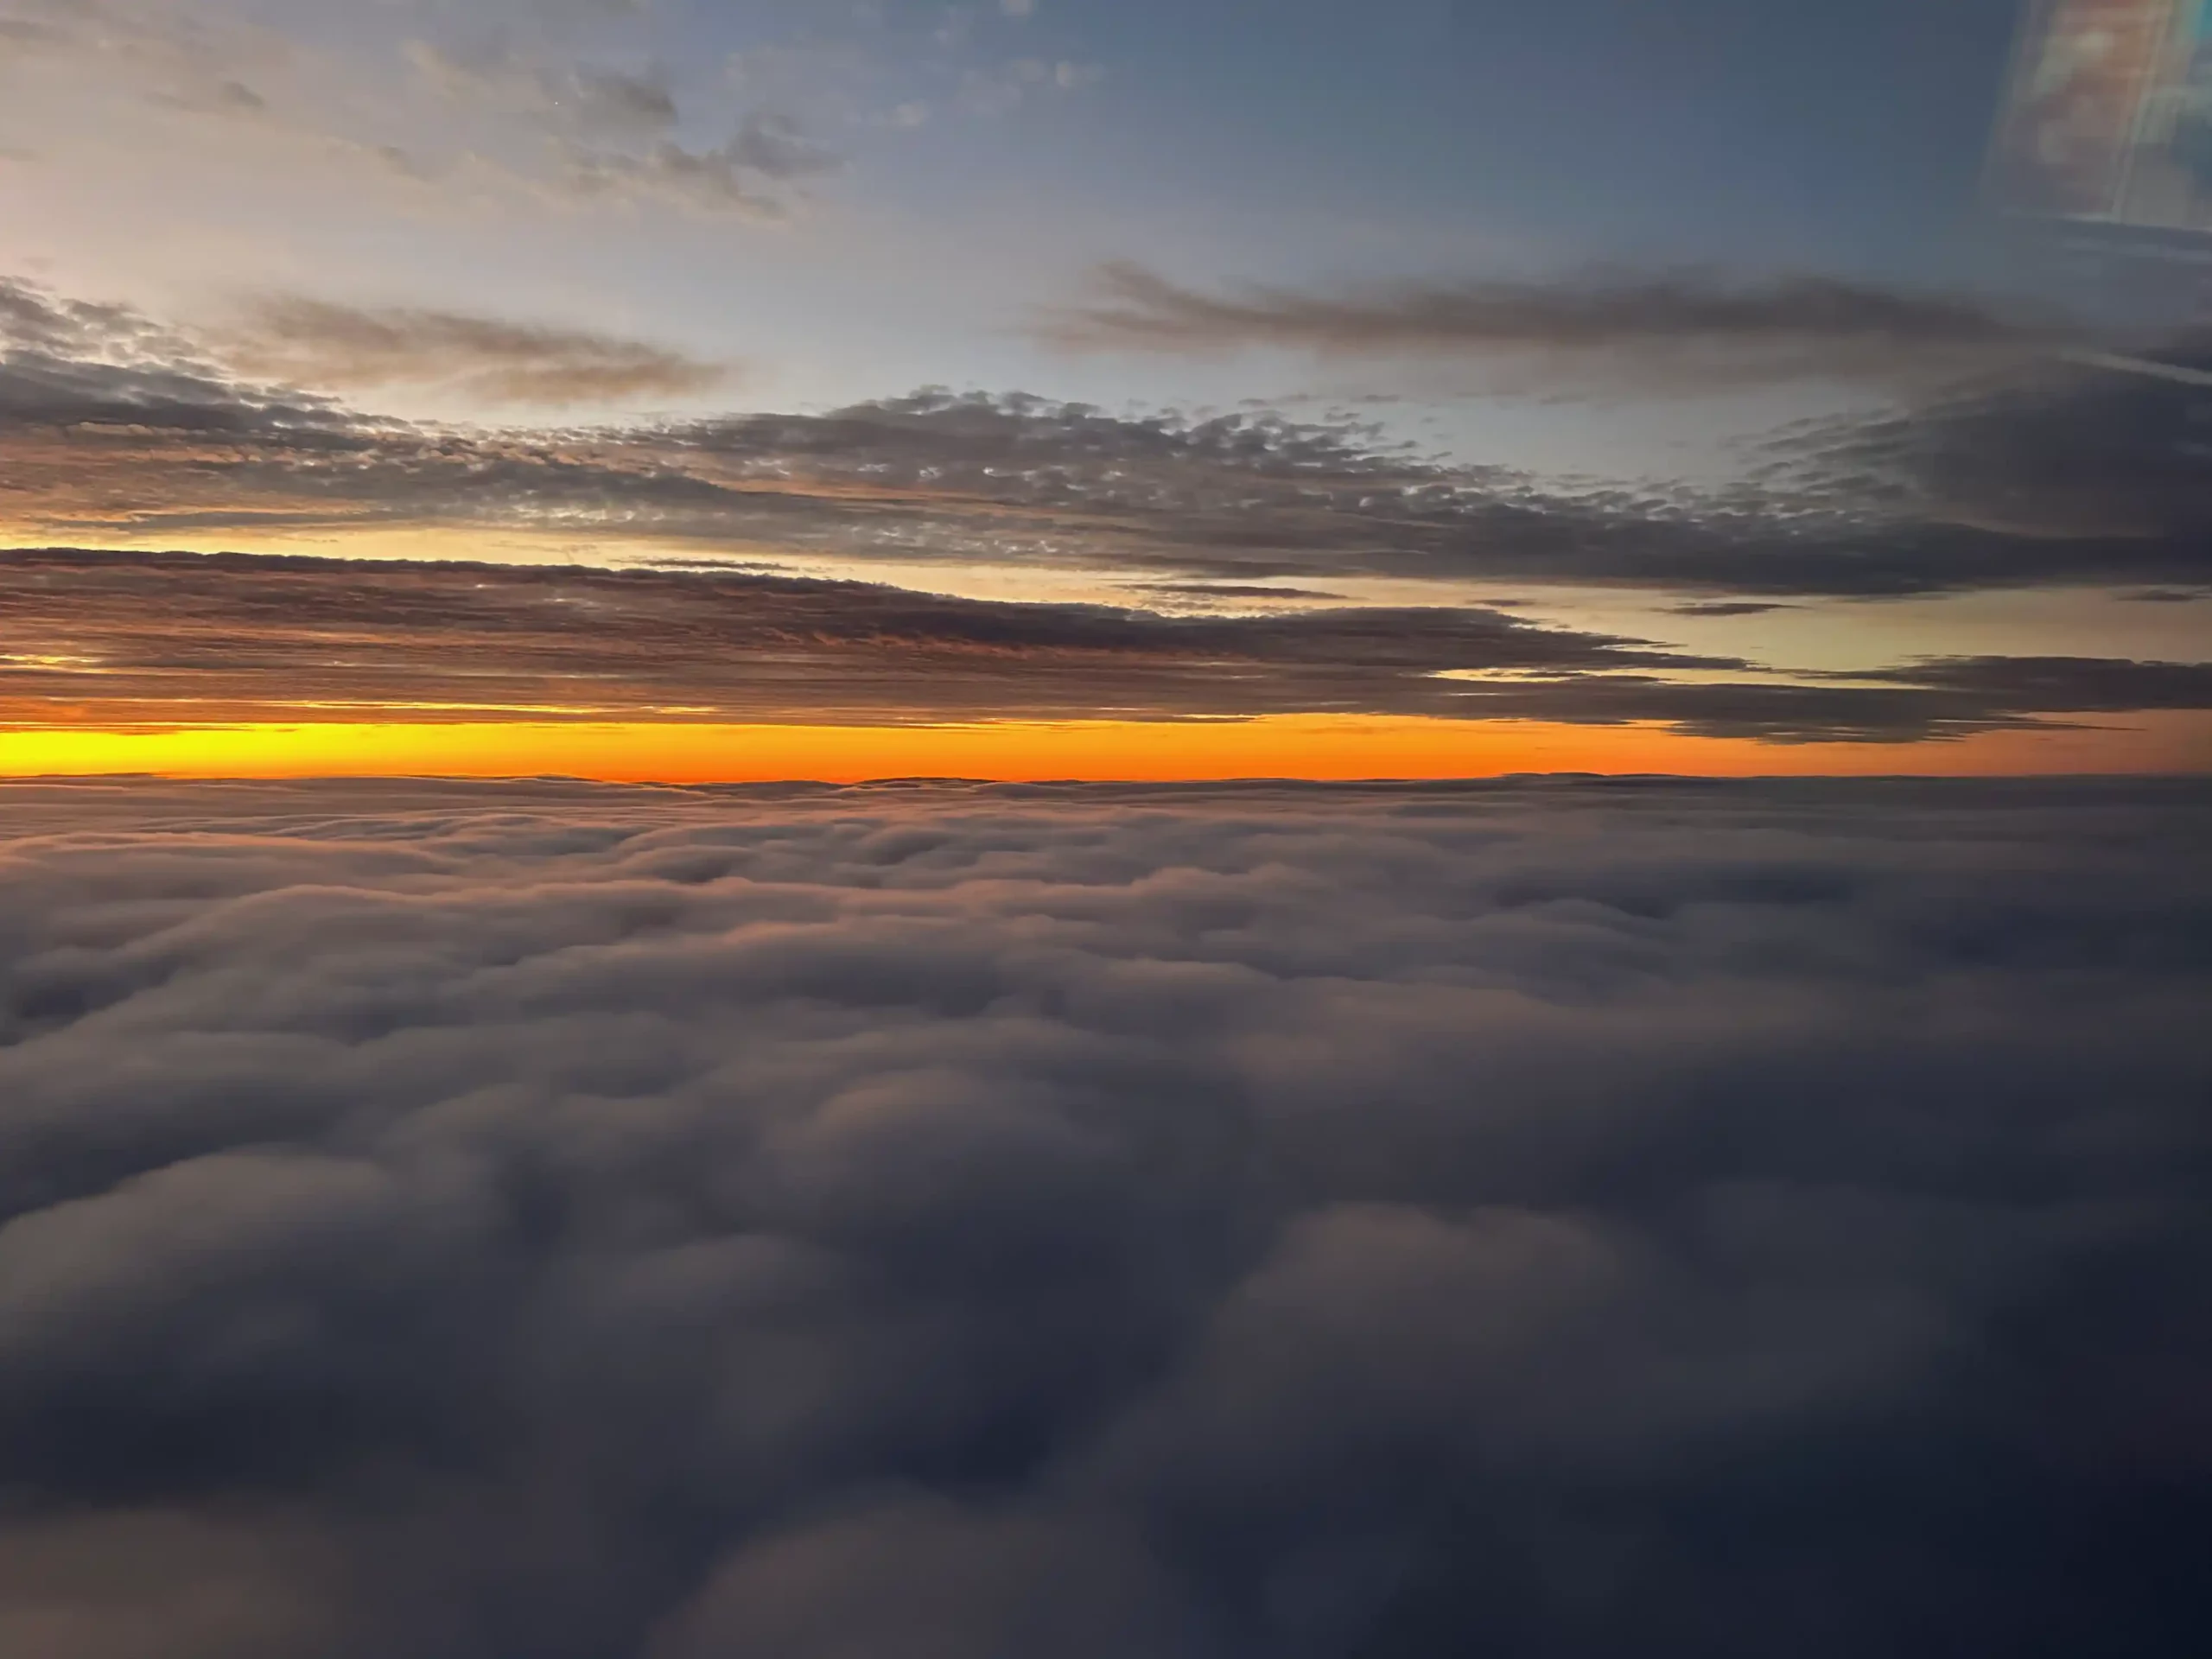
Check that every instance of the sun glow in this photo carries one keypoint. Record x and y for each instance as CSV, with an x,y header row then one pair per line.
x,y
1304,747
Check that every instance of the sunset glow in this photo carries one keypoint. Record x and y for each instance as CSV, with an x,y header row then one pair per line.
x,y
1321,748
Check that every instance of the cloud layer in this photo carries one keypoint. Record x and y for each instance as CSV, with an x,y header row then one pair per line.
x,y
113,425
122,639
1567,1220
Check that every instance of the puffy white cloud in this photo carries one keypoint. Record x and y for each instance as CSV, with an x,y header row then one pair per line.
x,y
536,1220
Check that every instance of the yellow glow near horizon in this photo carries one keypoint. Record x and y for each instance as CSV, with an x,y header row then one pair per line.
x,y
1301,747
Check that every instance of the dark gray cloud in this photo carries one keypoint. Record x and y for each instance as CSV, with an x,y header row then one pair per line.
x,y
1234,590
109,426
2077,452
37,319
303,341
67,365
2081,684
149,638
1726,608
1685,328
540,1222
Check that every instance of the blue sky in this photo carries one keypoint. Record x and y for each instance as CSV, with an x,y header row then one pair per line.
x,y
987,155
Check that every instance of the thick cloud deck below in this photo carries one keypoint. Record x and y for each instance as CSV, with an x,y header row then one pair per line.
x,y
543,1222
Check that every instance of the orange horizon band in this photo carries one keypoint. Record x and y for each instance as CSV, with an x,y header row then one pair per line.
x,y
1316,747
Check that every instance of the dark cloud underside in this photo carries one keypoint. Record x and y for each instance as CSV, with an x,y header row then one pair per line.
x,y
1725,607
2070,452
544,1223
125,639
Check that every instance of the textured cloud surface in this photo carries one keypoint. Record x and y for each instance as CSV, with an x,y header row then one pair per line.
x,y
112,425
1549,1219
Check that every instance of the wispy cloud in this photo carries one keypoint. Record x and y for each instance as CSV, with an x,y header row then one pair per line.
x,y
1725,607
1234,590
568,98
310,342
555,105
1683,329
608,132
753,173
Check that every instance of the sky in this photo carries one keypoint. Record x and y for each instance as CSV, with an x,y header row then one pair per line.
x,y
669,388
